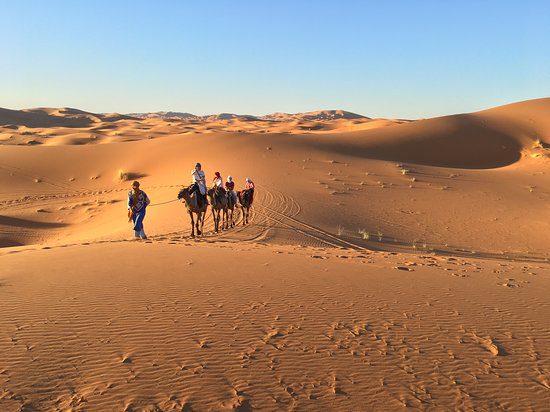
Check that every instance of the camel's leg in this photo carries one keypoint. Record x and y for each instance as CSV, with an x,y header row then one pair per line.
x,y
199,219
192,224
202,221
214,219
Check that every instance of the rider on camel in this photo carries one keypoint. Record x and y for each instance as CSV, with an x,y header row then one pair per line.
x,y
199,185
248,191
230,188
217,183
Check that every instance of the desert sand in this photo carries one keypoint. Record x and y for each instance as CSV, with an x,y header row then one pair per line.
x,y
388,263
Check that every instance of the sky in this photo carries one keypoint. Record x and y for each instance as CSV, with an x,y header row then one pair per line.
x,y
403,59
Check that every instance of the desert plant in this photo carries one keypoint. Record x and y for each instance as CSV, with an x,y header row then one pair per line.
x,y
364,234
340,230
123,176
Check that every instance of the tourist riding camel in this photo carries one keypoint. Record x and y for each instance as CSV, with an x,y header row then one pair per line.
x,y
217,183
191,201
248,191
230,189
199,185
246,197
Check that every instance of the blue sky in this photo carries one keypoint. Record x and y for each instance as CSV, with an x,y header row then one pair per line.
x,y
405,58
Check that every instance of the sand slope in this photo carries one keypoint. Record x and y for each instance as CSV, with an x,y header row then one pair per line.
x,y
337,182
401,265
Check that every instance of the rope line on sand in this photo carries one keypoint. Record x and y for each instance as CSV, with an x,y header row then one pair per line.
x,y
163,203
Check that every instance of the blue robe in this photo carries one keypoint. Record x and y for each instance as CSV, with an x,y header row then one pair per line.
x,y
138,208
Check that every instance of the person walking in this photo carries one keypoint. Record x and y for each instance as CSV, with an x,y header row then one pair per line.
x,y
137,204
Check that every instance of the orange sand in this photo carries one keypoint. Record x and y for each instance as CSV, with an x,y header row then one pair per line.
x,y
388,263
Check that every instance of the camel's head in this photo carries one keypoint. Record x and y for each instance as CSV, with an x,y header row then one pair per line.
x,y
183,193
210,193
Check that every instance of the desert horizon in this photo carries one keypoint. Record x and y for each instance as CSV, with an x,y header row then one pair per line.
x,y
248,206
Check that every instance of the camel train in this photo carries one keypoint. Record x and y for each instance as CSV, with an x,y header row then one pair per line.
x,y
221,198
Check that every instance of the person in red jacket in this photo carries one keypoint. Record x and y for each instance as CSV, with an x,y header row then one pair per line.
x,y
249,189
230,188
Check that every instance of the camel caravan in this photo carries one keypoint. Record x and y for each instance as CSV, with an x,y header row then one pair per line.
x,y
221,198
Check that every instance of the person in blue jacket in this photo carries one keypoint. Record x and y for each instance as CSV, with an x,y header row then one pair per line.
x,y
137,204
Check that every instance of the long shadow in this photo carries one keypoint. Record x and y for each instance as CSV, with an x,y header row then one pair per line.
x,y
28,224
7,242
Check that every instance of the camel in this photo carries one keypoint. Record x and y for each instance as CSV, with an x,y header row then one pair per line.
x,y
191,204
245,205
218,202
228,213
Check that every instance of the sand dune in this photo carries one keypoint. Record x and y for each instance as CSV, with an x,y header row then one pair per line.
x,y
388,263
52,126
317,115
486,139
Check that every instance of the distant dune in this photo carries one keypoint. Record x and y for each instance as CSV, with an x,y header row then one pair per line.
x,y
54,117
163,115
284,117
72,126
317,115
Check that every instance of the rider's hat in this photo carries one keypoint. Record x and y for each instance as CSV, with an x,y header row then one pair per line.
x,y
198,165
